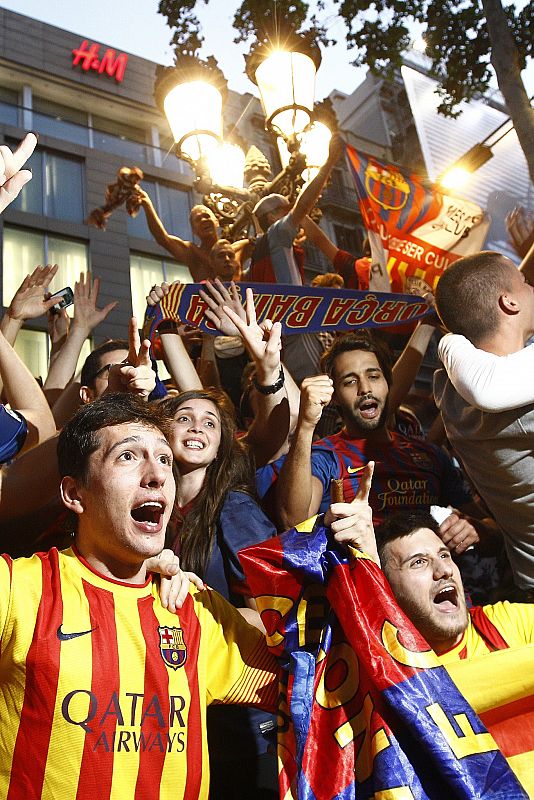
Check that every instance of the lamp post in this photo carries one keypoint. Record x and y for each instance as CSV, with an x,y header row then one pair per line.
x,y
457,175
192,96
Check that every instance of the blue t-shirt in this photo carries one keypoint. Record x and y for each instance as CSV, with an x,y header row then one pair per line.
x,y
13,432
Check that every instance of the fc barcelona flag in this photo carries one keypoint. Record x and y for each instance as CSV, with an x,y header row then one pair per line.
x,y
415,231
366,710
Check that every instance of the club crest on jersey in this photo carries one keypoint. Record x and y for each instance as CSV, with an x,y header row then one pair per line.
x,y
172,646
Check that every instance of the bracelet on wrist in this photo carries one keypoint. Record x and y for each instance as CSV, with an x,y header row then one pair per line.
x,y
274,387
168,326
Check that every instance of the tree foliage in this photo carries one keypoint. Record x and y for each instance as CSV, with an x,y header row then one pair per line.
x,y
378,31
456,37
465,40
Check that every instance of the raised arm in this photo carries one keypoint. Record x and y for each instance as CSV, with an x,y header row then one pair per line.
x,y
24,394
28,301
276,393
177,359
309,196
86,318
407,365
178,248
298,491
319,239
12,177
486,381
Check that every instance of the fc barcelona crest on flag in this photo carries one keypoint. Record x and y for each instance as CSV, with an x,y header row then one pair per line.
x,y
172,646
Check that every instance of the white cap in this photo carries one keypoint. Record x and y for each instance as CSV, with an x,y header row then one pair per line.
x,y
269,203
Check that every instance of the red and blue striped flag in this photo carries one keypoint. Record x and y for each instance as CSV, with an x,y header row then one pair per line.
x,y
366,710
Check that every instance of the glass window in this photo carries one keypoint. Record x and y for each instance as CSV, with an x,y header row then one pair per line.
x,y
24,249
71,257
9,100
31,197
137,226
117,137
32,347
60,121
145,272
63,188
349,239
172,206
56,189
168,157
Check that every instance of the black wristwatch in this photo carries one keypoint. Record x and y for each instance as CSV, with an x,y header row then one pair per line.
x,y
274,387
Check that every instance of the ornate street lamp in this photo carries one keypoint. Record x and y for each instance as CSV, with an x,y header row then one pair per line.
x,y
192,95
285,76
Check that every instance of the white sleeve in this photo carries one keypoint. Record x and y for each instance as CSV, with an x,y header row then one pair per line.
x,y
486,381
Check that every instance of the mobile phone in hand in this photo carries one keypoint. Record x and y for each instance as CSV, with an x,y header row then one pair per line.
x,y
66,296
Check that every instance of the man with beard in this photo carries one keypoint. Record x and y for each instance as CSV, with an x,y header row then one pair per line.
x,y
428,587
409,473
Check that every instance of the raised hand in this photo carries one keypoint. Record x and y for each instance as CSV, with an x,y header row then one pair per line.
x,y
135,374
86,314
217,297
352,523
12,176
263,343
315,393
158,292
29,300
457,533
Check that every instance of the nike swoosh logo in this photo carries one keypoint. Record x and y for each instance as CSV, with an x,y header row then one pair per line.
x,y
64,637
354,469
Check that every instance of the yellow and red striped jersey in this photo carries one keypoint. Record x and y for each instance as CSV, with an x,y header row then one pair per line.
x,y
514,622
103,692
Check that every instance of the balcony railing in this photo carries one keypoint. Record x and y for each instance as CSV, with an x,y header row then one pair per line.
x,y
340,196
59,128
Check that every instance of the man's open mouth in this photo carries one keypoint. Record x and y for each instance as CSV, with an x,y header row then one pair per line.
x,y
447,599
149,514
368,409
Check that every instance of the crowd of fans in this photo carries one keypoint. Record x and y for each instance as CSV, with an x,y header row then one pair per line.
x,y
260,426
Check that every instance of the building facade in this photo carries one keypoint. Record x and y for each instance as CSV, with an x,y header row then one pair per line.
x,y
94,111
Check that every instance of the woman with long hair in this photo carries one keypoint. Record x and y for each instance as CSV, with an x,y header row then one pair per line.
x,y
214,516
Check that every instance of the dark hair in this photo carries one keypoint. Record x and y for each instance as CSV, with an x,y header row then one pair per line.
x,y
402,524
79,439
467,294
91,366
358,340
231,470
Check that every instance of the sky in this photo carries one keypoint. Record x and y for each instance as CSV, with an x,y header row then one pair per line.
x,y
134,26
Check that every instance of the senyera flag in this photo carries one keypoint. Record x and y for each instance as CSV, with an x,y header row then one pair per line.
x,y
366,710
299,309
415,230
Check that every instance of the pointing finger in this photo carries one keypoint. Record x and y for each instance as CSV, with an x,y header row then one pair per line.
x,y
366,477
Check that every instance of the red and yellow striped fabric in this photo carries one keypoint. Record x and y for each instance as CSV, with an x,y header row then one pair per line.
x,y
103,693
